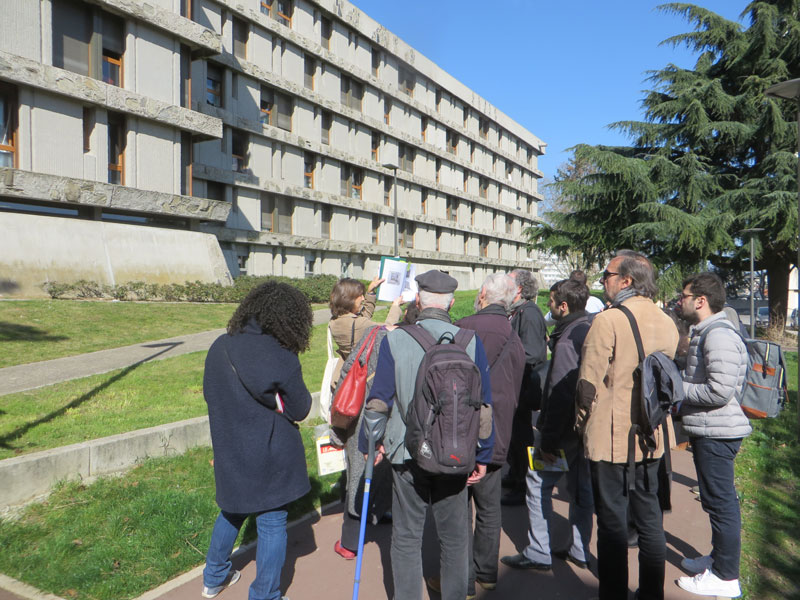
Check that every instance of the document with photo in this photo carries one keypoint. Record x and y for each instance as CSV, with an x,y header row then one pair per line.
x,y
394,272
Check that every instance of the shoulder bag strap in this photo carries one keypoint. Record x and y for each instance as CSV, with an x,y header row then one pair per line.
x,y
636,335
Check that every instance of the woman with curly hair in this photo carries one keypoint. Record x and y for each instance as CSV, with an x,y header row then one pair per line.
x,y
253,385
352,307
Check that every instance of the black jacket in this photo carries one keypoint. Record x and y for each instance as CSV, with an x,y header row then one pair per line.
x,y
557,417
492,326
259,459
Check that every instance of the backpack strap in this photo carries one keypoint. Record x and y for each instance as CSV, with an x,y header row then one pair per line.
x,y
421,335
463,338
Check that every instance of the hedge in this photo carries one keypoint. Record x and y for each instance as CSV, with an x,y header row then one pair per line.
x,y
316,289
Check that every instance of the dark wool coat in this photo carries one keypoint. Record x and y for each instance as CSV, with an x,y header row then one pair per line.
x,y
492,326
259,459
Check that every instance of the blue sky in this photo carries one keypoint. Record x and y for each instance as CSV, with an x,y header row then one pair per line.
x,y
562,69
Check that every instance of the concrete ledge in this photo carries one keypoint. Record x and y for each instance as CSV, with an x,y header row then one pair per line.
x,y
26,477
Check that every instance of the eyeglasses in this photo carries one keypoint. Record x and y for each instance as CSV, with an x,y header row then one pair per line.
x,y
685,296
606,275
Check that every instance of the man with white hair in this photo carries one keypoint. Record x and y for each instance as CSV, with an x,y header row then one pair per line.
x,y
413,488
506,358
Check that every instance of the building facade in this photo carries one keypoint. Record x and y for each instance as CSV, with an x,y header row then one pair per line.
x,y
300,136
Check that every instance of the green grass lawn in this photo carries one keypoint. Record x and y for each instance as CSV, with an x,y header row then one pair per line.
x,y
34,330
768,480
121,536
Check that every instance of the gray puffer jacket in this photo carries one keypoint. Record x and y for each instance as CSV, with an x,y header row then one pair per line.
x,y
713,378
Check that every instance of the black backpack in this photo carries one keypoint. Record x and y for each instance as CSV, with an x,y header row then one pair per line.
x,y
443,417
661,388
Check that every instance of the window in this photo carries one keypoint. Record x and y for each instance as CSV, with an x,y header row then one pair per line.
x,y
214,85
280,10
239,153
8,125
406,80
310,260
116,148
424,202
325,219
387,191
406,157
235,86
276,109
438,239
187,158
89,120
241,32
215,191
471,151
509,224
472,215
484,127
466,116
186,9
387,110
423,128
352,181
484,246
309,70
309,163
352,93
494,219
406,233
276,214
484,187
186,77
376,224
452,142
376,144
438,99
326,30
438,170
465,177
509,172
326,121
241,261
376,61
452,209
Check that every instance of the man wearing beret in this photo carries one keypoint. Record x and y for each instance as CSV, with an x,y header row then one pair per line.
x,y
414,489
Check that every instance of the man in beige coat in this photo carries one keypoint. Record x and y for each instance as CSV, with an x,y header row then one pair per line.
x,y
607,404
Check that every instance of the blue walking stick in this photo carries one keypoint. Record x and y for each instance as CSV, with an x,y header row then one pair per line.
x,y
375,426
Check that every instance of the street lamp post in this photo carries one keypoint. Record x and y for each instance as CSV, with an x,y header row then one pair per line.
x,y
752,232
393,167
790,90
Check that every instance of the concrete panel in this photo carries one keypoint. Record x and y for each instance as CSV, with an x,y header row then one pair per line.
x,y
60,154
19,29
155,48
35,249
155,149
25,477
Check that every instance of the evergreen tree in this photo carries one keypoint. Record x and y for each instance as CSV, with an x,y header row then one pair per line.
x,y
712,156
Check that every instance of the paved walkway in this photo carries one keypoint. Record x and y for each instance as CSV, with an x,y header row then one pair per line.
x,y
312,570
39,374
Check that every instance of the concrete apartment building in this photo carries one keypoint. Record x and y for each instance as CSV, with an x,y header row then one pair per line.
x,y
172,140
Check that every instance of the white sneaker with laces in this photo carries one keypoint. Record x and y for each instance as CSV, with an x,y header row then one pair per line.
x,y
697,565
212,592
708,584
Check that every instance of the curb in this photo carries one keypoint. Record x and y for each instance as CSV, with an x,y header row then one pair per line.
x,y
23,590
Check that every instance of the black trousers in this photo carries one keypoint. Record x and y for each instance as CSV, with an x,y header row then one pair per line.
x,y
611,500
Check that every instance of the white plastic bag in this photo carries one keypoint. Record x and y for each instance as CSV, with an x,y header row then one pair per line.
x,y
325,394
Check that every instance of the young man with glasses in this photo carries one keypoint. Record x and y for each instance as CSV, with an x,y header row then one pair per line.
x,y
712,418
607,395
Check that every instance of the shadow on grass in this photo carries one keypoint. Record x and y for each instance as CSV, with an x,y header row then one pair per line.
x,y
5,441
14,332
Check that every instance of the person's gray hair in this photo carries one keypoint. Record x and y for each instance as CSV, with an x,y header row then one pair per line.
x,y
432,300
640,270
499,288
527,283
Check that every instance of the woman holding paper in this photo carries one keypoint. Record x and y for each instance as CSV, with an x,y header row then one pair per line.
x,y
253,385
352,307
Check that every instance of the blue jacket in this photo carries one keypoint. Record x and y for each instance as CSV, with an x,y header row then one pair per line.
x,y
259,459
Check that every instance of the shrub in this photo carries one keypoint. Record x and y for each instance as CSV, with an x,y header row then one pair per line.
x,y
57,290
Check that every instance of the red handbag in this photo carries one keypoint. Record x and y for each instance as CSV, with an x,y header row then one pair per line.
x,y
349,397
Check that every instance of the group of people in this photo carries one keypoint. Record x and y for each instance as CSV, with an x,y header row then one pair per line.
x,y
578,407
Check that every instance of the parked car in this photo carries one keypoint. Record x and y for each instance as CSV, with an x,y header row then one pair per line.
x,y
793,319
762,316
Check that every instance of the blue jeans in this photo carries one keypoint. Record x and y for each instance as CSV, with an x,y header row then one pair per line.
x,y
539,498
713,460
270,552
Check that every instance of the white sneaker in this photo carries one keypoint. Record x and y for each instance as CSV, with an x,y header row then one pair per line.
x,y
212,592
708,584
697,565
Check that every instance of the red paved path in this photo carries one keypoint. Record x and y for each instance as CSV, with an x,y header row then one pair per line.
x,y
312,570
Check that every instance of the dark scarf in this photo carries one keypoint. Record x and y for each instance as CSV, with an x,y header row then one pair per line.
x,y
561,325
434,313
